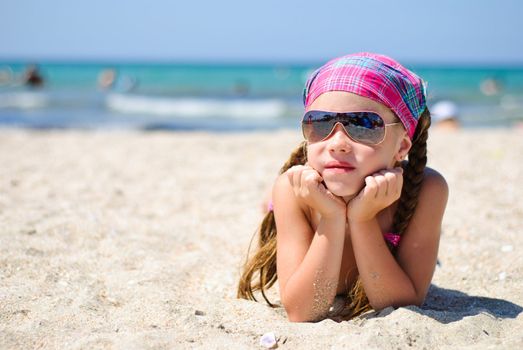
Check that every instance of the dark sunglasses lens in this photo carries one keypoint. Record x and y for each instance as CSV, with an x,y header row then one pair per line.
x,y
317,125
365,127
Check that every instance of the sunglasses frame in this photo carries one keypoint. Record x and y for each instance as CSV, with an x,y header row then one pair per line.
x,y
342,115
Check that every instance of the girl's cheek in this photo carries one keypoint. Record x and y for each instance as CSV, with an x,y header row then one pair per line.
x,y
312,156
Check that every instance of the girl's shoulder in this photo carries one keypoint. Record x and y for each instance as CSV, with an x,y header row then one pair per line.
x,y
434,191
282,187
433,181
281,184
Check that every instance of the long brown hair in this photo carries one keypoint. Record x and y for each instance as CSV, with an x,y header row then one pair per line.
x,y
259,271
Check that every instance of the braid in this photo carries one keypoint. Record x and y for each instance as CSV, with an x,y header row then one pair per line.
x,y
263,262
413,175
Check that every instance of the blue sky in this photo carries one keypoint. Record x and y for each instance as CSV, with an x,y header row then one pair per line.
x,y
442,31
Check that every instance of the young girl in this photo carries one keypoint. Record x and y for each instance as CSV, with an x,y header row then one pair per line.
x,y
353,226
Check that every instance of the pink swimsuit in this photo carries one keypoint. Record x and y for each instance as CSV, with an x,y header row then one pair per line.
x,y
392,238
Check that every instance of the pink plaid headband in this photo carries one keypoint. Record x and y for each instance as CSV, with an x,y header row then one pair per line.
x,y
377,77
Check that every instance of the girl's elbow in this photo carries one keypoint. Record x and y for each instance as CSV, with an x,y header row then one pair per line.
x,y
408,302
296,315
418,300
415,300
299,311
380,305
414,296
291,309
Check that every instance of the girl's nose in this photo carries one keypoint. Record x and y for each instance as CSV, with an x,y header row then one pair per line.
x,y
339,141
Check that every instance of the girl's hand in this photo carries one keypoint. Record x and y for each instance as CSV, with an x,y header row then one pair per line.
x,y
308,186
381,190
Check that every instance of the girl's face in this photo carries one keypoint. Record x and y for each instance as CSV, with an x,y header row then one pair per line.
x,y
344,163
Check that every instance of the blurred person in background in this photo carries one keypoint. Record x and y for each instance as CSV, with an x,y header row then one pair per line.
x,y
33,77
445,116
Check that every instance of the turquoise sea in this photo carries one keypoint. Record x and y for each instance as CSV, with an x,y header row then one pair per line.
x,y
220,97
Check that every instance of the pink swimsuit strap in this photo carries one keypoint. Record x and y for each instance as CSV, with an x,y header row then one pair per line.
x,y
392,238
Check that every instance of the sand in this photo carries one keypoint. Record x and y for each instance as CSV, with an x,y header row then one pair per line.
x,y
130,240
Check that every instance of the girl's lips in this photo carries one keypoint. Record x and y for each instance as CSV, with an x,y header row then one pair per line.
x,y
339,167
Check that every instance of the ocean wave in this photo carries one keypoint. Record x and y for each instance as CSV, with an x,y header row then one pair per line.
x,y
197,107
23,100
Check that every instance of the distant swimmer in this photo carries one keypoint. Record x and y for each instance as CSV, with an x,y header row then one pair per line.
x,y
445,115
32,77
6,75
109,79
106,79
490,87
241,88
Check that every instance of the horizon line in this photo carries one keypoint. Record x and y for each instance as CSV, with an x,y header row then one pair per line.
x,y
247,62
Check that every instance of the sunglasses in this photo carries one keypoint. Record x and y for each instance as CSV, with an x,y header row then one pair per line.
x,y
362,127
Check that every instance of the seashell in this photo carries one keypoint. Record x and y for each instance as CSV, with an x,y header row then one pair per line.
x,y
268,340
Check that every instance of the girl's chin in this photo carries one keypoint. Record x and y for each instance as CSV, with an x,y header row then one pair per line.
x,y
342,190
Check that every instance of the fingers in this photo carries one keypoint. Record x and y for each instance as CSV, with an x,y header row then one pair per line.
x,y
303,179
385,183
294,176
371,187
381,190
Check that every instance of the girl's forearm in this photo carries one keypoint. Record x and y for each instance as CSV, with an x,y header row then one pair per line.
x,y
385,282
310,291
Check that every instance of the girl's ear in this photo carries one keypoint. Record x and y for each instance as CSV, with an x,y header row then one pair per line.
x,y
405,144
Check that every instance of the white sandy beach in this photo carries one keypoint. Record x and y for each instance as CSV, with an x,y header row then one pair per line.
x,y
130,240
